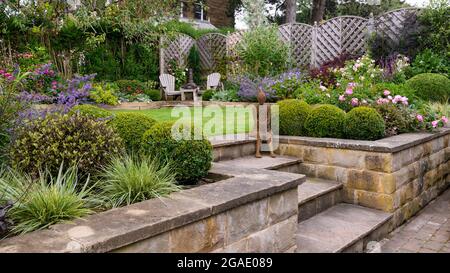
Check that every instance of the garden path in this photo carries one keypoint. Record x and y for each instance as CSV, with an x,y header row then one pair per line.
x,y
428,231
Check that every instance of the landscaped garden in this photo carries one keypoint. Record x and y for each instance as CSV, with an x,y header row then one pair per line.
x,y
67,150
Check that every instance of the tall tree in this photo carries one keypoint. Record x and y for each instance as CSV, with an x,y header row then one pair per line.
x,y
256,10
318,11
291,11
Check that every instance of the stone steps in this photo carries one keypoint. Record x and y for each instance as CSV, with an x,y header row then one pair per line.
x,y
317,195
342,228
325,223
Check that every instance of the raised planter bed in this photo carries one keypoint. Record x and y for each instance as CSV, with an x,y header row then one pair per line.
x,y
251,210
400,174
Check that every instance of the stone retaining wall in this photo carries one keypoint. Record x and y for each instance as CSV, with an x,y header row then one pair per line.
x,y
400,174
251,211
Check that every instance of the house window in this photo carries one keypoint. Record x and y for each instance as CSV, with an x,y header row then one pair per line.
x,y
199,11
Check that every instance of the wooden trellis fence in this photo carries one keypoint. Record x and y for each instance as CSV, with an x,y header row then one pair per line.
x,y
309,45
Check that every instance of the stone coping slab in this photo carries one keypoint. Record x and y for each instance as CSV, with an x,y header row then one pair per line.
x,y
315,187
231,140
106,231
385,145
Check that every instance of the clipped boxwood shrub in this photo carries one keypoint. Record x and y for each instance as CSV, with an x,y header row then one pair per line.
x,y
91,111
73,139
364,123
293,114
325,121
429,86
131,127
207,95
154,95
191,159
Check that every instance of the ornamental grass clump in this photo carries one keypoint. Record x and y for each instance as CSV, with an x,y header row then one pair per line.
x,y
47,200
131,179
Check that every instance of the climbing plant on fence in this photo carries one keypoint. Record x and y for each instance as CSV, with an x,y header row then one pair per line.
x,y
309,45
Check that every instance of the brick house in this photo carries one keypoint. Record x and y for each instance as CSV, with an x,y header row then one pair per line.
x,y
207,13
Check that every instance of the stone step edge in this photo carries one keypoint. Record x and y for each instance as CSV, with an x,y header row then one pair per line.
x,y
363,236
336,187
366,235
237,142
283,165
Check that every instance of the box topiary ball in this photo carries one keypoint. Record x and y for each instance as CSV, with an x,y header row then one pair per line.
x,y
325,121
293,114
364,123
191,159
131,127
430,86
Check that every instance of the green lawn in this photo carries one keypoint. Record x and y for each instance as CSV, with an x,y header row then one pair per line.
x,y
215,121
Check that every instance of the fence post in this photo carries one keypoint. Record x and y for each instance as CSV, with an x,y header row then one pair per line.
x,y
161,56
370,27
314,45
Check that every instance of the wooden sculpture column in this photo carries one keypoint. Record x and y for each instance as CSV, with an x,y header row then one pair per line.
x,y
267,117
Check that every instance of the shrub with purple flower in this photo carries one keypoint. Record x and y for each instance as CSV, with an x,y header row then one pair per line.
x,y
394,68
75,91
28,97
43,79
279,87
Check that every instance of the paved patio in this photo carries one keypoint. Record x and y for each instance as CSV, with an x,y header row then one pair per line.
x,y
428,232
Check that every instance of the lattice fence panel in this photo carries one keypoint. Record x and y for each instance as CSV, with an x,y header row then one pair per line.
x,y
299,38
353,35
177,49
232,40
392,26
328,41
212,48
309,45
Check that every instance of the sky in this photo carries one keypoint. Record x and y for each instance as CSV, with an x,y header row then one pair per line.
x,y
240,24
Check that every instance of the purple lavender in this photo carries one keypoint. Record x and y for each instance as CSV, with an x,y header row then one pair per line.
x,y
75,91
286,82
29,97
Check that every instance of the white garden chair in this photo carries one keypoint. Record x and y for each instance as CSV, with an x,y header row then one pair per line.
x,y
213,82
168,86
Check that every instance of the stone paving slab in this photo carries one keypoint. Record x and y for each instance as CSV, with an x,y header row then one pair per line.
x,y
389,144
266,162
428,232
227,140
314,187
338,228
